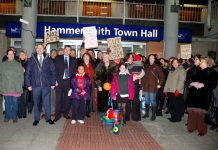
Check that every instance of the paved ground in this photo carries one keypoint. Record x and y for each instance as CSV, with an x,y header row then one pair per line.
x,y
93,136
170,136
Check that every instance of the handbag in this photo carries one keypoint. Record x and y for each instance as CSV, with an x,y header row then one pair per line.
x,y
209,116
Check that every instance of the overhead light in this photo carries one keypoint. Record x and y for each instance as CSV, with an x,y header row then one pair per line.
x,y
141,46
24,21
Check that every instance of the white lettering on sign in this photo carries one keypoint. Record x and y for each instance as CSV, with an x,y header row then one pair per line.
x,y
153,33
146,33
64,30
119,32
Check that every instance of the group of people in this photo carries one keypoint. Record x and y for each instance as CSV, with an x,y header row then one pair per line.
x,y
61,82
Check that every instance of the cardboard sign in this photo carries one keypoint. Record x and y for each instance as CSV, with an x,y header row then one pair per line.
x,y
186,51
116,49
50,37
90,37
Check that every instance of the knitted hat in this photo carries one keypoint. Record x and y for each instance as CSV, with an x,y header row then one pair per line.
x,y
137,57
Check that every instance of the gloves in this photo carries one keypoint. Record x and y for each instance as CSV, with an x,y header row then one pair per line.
x,y
176,93
165,94
82,93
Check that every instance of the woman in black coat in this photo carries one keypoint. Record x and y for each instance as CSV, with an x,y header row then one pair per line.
x,y
198,99
104,73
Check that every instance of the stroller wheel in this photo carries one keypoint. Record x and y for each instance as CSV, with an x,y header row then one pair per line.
x,y
115,130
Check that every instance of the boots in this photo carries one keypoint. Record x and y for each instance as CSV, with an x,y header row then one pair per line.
x,y
159,112
153,117
146,112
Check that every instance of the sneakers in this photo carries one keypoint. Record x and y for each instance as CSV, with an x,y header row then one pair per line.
x,y
80,121
73,122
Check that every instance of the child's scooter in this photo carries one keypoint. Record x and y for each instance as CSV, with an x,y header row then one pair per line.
x,y
113,117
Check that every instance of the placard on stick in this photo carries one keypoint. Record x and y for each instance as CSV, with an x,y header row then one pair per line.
x,y
116,49
90,37
50,37
186,51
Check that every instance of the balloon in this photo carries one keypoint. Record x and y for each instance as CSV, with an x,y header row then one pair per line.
x,y
107,86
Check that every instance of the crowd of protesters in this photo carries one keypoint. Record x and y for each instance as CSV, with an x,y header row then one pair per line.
x,y
55,85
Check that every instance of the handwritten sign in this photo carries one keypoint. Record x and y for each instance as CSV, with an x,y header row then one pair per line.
x,y
90,37
186,51
116,49
50,37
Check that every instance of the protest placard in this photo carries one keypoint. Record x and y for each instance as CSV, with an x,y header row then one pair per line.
x,y
50,37
116,49
90,37
185,51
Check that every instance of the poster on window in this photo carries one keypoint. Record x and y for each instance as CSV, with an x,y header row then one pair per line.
x,y
50,37
185,51
90,37
116,49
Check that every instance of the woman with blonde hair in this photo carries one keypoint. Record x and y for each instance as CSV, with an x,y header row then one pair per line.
x,y
198,98
23,99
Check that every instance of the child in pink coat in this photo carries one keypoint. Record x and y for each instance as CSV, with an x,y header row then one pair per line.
x,y
122,89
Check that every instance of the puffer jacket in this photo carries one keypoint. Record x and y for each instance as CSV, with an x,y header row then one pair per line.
x,y
76,90
36,76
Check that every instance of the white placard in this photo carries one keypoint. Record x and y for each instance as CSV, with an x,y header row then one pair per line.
x,y
186,51
116,49
90,37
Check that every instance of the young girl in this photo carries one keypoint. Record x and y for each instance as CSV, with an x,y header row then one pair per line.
x,y
81,92
121,90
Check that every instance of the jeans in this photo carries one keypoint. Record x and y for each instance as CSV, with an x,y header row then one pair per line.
x,y
150,99
11,107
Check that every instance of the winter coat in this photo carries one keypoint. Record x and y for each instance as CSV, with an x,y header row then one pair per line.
x,y
76,90
200,98
115,87
36,76
103,74
215,90
176,80
11,77
153,74
191,74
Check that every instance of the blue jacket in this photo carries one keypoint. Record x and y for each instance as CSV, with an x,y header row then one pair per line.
x,y
36,76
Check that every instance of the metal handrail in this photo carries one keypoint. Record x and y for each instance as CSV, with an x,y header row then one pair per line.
x,y
105,9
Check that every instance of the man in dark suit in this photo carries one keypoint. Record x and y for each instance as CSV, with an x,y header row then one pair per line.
x,y
65,66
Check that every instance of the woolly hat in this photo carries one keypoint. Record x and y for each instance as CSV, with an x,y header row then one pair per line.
x,y
137,57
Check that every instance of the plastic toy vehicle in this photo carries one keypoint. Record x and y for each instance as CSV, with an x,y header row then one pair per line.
x,y
113,117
